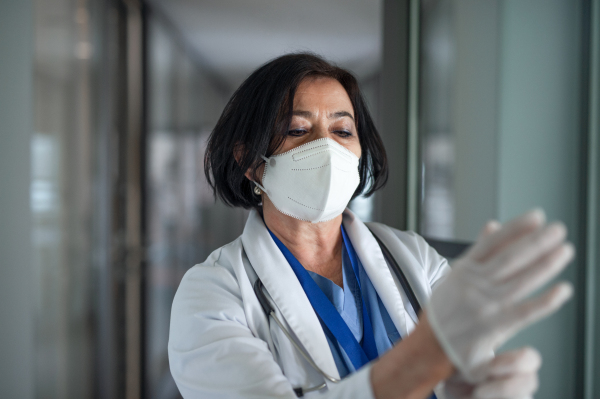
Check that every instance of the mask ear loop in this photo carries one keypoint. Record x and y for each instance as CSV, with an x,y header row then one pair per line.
x,y
267,162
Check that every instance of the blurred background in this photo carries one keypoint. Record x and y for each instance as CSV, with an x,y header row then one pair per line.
x,y
487,108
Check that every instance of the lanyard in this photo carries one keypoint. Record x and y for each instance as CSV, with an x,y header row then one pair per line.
x,y
354,260
368,342
359,354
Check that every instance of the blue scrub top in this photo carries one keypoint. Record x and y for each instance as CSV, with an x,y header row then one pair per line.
x,y
347,301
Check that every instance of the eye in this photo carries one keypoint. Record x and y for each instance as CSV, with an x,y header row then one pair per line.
x,y
343,133
297,132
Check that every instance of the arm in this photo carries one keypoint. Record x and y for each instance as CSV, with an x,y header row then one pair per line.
x,y
509,375
212,352
413,367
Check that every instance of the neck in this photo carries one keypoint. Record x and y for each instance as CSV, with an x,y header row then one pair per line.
x,y
317,246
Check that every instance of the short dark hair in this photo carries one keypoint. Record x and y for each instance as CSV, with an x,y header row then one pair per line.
x,y
256,119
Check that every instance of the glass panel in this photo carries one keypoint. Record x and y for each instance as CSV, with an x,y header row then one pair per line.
x,y
500,127
436,127
184,222
75,191
61,190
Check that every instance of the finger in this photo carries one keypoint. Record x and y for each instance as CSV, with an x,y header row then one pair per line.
x,y
510,232
489,228
533,310
523,283
515,386
528,249
519,361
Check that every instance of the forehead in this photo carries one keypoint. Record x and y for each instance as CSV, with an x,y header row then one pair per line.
x,y
322,92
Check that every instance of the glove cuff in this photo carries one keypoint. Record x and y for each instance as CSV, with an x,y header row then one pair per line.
x,y
445,344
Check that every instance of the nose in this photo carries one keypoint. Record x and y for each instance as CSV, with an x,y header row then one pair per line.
x,y
321,131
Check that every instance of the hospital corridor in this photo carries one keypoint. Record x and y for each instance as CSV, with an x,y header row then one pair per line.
x,y
181,214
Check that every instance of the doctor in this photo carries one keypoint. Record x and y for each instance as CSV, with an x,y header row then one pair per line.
x,y
304,302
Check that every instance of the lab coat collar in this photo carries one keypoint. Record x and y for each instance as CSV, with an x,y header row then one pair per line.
x,y
284,288
373,261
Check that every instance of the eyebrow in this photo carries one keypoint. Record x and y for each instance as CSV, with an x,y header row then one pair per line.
x,y
334,115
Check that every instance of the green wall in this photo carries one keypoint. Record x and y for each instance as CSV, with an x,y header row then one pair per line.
x,y
16,316
539,130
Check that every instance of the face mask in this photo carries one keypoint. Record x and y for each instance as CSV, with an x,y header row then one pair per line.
x,y
313,182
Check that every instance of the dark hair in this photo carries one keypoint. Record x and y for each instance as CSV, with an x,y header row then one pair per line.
x,y
256,119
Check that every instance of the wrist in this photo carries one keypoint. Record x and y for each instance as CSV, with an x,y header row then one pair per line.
x,y
413,367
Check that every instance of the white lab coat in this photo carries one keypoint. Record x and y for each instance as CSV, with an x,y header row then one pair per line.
x,y
222,345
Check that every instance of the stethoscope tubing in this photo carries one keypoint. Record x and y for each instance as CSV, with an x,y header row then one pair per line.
x,y
304,355
270,312
412,298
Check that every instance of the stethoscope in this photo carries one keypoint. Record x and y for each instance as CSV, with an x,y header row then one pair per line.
x,y
269,311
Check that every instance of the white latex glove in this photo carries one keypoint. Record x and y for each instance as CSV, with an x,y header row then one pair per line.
x,y
480,304
510,375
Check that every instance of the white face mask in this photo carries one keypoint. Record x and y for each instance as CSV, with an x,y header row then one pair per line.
x,y
313,182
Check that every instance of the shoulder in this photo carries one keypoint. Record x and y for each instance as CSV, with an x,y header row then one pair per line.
x,y
214,281
413,248
408,241
210,331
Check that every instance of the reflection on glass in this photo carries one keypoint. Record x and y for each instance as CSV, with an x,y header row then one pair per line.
x,y
184,223
436,124
76,198
61,184
500,117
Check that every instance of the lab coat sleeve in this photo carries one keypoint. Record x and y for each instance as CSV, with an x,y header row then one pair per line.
x,y
214,354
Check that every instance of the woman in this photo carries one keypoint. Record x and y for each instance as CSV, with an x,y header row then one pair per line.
x,y
305,297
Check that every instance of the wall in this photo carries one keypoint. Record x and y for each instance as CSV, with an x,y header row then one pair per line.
x,y
501,123
16,109
539,151
477,27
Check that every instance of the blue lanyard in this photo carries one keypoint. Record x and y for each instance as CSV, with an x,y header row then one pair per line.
x,y
368,342
359,354
354,260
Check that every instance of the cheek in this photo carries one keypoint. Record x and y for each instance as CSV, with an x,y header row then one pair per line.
x,y
355,148
290,143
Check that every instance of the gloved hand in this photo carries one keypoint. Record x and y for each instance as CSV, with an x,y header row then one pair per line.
x,y
510,375
481,302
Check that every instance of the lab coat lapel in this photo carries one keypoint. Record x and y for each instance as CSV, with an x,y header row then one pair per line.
x,y
376,267
284,288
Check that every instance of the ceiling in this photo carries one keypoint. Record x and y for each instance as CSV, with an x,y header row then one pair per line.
x,y
234,37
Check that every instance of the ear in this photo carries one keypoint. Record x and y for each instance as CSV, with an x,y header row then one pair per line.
x,y
238,153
